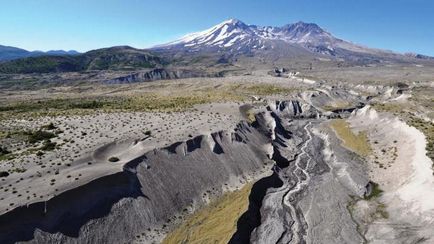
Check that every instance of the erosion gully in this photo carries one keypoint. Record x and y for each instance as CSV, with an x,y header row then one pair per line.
x,y
273,199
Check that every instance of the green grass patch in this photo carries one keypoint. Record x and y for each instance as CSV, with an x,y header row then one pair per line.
x,y
5,154
375,192
39,135
48,146
9,156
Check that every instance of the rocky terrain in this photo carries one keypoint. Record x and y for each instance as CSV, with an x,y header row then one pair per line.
x,y
301,137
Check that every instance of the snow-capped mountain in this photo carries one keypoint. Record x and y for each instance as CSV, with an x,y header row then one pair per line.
x,y
234,32
234,36
223,35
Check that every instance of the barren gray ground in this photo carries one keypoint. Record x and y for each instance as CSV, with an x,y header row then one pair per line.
x,y
315,187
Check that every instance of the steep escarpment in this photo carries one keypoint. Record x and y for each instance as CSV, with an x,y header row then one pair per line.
x,y
147,194
161,74
61,217
403,212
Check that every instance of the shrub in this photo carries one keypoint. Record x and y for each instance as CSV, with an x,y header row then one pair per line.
x,y
3,151
50,126
375,191
39,135
48,145
113,159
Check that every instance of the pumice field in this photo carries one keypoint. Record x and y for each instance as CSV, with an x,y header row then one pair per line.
x,y
235,134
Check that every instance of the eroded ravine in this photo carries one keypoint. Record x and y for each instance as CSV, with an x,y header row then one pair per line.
x,y
291,166
302,180
294,177
299,156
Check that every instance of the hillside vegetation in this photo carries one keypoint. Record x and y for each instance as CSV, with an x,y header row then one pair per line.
x,y
114,58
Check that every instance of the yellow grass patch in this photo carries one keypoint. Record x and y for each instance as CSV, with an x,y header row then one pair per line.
x,y
355,142
265,89
159,100
215,223
337,105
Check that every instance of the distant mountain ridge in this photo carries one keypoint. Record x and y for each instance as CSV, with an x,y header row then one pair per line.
x,y
113,58
235,37
11,53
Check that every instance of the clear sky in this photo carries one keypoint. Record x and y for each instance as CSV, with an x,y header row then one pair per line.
x,y
399,25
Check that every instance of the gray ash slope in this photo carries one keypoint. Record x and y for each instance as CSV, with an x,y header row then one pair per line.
x,y
153,189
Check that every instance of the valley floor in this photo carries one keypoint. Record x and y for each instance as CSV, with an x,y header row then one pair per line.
x,y
240,159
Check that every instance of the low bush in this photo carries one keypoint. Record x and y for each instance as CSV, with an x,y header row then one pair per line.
x,y
3,151
113,159
49,126
375,191
48,145
39,135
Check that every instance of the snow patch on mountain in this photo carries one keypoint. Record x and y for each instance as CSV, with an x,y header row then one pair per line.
x,y
234,32
235,36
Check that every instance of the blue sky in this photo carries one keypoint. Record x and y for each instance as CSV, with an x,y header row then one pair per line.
x,y
399,25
